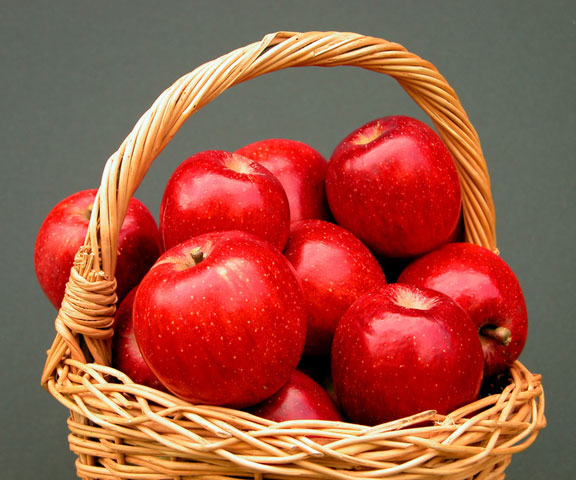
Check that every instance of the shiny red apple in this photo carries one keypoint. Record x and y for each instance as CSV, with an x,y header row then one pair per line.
x,y
484,285
217,190
334,268
393,183
220,319
126,355
301,171
63,232
403,350
301,398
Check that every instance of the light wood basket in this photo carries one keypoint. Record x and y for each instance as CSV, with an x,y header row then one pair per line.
x,y
122,430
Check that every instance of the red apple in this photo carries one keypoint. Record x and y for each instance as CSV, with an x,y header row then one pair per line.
x,y
403,350
394,184
220,320
63,232
301,171
301,398
334,268
487,288
126,355
216,190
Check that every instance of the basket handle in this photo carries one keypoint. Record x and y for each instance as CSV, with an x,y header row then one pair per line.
x,y
84,320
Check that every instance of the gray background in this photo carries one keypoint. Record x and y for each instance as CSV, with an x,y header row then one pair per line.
x,y
76,75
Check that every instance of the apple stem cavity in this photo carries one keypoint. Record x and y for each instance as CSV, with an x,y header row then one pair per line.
x,y
501,334
239,164
196,256
368,136
408,298
88,212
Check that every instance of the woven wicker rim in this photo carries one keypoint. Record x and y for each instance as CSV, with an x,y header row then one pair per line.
x,y
123,430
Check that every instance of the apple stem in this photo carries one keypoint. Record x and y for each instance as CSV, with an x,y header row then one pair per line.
x,y
197,255
501,334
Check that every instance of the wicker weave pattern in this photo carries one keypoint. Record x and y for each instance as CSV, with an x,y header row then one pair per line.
x,y
122,430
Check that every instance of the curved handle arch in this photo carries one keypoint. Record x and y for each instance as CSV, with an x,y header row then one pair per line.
x,y
127,167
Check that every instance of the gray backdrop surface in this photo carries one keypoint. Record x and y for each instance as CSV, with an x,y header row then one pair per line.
x,y
75,77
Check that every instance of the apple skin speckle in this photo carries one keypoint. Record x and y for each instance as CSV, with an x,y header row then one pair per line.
x,y
334,268
301,398
236,342
126,355
400,192
390,361
484,285
63,232
300,169
204,194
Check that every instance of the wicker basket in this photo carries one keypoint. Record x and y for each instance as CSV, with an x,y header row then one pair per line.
x,y
122,430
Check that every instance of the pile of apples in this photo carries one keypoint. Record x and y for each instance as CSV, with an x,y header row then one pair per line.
x,y
300,288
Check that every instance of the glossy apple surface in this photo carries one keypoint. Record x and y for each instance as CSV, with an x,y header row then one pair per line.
x,y
486,287
334,268
220,320
216,190
301,171
393,183
126,355
403,350
63,232
301,398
